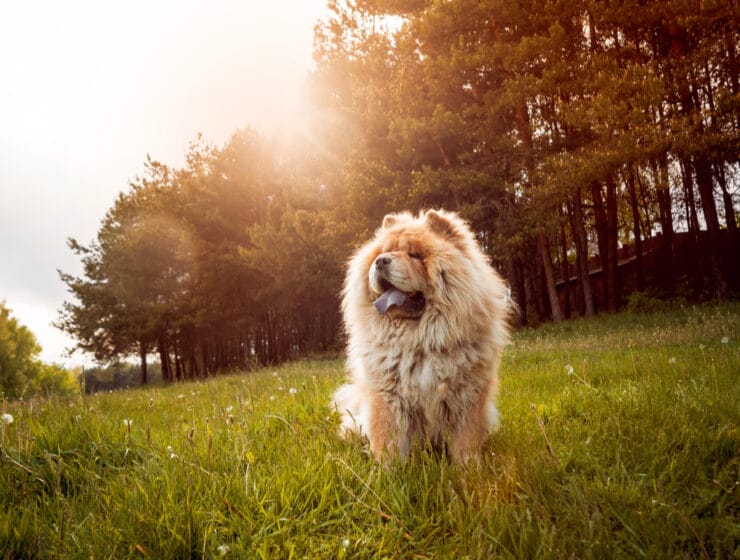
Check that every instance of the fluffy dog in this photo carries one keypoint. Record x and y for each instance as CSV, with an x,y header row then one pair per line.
x,y
427,318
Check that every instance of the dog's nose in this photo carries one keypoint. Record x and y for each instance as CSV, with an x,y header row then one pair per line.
x,y
382,261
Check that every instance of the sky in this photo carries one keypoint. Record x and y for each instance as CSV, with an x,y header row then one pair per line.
x,y
88,89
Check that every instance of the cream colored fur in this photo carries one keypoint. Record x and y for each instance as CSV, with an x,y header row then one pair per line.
x,y
430,378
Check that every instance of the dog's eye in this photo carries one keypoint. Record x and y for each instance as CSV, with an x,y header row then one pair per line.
x,y
416,256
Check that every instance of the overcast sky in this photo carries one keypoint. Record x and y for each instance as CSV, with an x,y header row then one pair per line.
x,y
88,89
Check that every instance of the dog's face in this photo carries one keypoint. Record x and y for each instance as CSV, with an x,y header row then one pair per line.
x,y
398,277
407,263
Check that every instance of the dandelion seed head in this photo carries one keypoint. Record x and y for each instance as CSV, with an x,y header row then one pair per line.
x,y
7,418
292,390
569,369
725,339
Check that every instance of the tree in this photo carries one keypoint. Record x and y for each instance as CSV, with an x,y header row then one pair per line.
x,y
18,354
21,370
136,272
619,118
185,265
544,106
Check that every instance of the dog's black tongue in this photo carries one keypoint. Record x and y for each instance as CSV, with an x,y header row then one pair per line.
x,y
388,299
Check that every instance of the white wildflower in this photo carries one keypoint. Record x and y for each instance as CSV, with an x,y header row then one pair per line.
x,y
180,396
671,360
345,543
292,390
223,549
725,339
569,369
7,418
274,374
272,397
229,408
127,422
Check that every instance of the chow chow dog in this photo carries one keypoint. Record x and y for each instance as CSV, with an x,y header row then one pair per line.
x,y
426,318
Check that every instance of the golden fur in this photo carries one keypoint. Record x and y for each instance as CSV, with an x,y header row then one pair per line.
x,y
426,317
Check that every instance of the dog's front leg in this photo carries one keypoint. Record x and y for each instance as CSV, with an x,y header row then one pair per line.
x,y
470,434
389,428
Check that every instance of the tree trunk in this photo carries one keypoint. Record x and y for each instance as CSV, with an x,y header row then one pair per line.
x,y
178,363
536,283
664,265
564,266
726,198
629,178
606,229
516,275
688,186
706,192
199,359
703,172
612,246
543,246
581,242
696,265
599,221
164,358
142,356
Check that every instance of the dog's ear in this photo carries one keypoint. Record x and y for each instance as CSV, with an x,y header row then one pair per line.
x,y
389,221
440,224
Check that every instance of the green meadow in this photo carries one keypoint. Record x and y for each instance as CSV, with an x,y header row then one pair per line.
x,y
619,439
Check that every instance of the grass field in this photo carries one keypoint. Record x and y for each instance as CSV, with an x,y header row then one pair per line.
x,y
619,439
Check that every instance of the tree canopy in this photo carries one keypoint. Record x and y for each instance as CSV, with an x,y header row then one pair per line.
x,y
592,146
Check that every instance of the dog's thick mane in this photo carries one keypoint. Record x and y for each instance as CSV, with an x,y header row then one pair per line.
x,y
464,288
